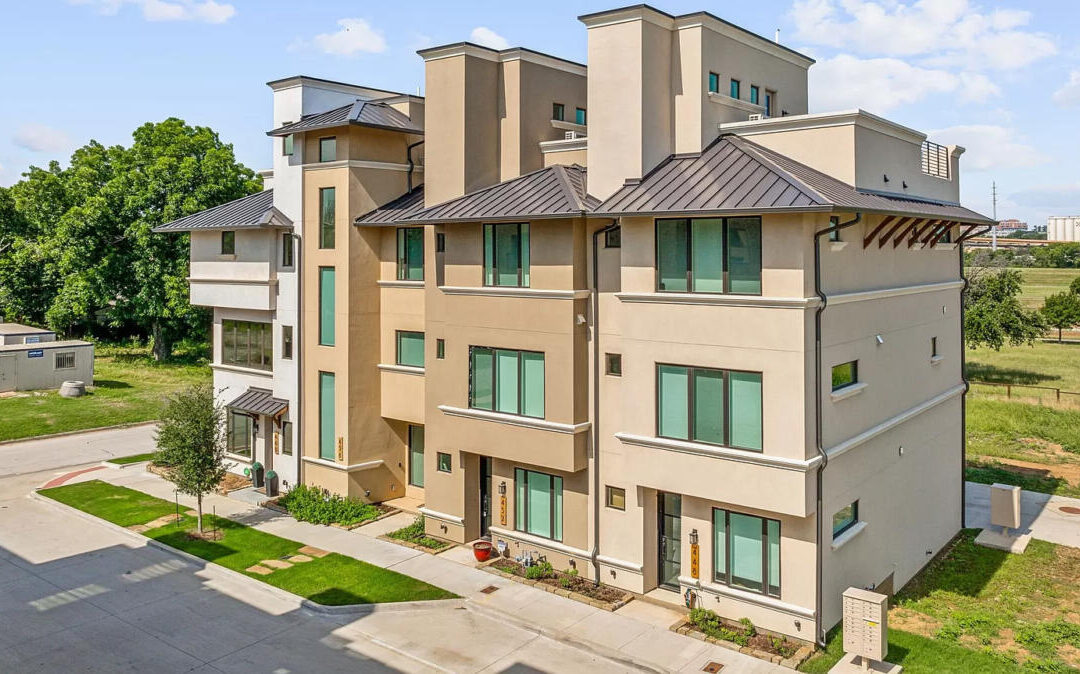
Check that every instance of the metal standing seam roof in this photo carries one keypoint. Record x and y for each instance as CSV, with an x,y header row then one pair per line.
x,y
256,210
259,401
395,211
735,175
552,192
363,113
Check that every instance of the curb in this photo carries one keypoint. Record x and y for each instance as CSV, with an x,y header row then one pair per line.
x,y
123,466
315,607
31,438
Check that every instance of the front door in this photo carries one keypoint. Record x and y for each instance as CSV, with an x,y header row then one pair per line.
x,y
416,456
669,529
7,373
485,497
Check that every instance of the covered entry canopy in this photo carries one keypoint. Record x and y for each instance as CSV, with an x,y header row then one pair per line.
x,y
259,401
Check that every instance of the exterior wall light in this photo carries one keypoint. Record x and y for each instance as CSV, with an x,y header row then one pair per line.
x,y
880,340
693,537
502,488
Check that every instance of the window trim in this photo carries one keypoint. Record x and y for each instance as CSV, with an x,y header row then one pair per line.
x,y
690,406
402,251
230,236
523,527
854,375
321,140
613,238
850,525
398,334
765,586
690,257
495,379
608,490
495,254
64,354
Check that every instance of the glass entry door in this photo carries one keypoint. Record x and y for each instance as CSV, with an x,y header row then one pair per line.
x,y
416,456
485,497
669,530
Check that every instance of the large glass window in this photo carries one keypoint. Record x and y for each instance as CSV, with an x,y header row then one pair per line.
x,y
746,552
328,149
247,344
709,255
416,455
506,255
410,254
326,305
538,505
327,398
327,209
410,348
720,407
506,380
238,434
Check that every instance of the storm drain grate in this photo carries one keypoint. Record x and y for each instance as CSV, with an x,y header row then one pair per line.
x,y
1071,510
489,589
712,667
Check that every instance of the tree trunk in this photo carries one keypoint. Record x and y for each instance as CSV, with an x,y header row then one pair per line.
x,y
162,347
199,499
1059,335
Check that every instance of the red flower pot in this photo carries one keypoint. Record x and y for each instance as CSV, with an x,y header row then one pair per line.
x,y
482,550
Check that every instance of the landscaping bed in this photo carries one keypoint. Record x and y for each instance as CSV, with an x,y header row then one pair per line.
x,y
745,638
324,577
413,536
563,583
311,504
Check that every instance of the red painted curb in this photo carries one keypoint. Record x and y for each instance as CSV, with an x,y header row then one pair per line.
x,y
57,481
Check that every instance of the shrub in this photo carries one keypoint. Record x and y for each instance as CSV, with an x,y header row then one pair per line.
x,y
310,504
539,570
566,582
415,533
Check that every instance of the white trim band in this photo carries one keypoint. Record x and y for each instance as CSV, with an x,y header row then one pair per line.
x,y
497,291
722,300
516,420
851,533
200,280
849,391
435,514
748,597
900,291
402,369
364,164
399,284
366,465
725,453
242,370
737,103
540,542
620,564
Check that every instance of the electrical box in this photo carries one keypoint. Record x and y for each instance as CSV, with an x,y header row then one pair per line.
x,y
1005,506
865,624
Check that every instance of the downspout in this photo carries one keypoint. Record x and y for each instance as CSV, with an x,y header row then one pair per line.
x,y
817,413
963,398
595,552
298,341
412,165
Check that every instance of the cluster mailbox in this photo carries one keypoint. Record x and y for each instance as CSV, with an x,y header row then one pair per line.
x,y
865,627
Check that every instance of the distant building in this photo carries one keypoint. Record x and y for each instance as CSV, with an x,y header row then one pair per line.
x,y
32,358
1063,228
1010,226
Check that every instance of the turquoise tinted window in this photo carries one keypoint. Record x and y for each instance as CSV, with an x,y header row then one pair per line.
x,y
745,409
714,83
772,531
744,255
747,551
708,253
326,416
673,392
754,94
327,149
507,380
538,508
579,116
326,305
709,406
719,557
327,210
482,385
506,255
671,254
410,254
416,456
721,407
532,370
734,88
410,348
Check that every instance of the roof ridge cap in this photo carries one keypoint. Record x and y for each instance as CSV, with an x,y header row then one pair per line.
x,y
564,181
752,149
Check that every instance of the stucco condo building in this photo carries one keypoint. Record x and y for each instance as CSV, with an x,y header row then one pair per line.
x,y
646,318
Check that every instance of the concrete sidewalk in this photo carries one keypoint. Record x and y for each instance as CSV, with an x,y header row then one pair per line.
x,y
637,635
1041,515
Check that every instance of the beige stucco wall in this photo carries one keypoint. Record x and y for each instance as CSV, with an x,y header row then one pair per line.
x,y
526,93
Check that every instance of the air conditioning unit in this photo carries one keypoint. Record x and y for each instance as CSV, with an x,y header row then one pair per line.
x,y
572,135
757,117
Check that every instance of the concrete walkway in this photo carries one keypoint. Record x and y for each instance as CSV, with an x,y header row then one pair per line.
x,y
636,635
1041,515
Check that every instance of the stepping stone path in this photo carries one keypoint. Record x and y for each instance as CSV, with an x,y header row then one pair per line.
x,y
298,558
259,569
312,551
153,524
275,563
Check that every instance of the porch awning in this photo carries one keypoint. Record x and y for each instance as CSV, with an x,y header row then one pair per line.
x,y
259,401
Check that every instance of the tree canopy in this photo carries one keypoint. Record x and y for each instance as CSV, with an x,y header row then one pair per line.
x,y
1062,310
993,315
76,248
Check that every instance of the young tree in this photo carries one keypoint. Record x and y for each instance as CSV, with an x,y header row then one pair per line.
x,y
190,438
1074,287
993,314
1062,310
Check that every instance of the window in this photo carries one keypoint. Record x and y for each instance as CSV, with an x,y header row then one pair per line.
x,y
947,236
65,360
558,112
286,438
933,347
505,380
328,149
845,518
506,255
754,94
286,342
327,207
834,235
845,374
440,348
327,396
714,83
238,434
442,462
440,243
769,103
416,456
287,145
579,116
615,497
247,344
709,255
613,238
287,249
746,552
410,348
326,306
719,407
613,364
410,253
538,503
734,91
228,243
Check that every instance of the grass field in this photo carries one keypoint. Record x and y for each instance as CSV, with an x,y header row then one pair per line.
x,y
334,580
128,387
1044,364
1040,282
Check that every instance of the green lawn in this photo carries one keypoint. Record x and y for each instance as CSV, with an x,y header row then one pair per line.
x,y
332,580
1044,364
134,458
1040,282
128,387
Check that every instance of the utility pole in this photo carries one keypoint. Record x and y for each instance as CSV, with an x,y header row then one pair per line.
x,y
993,230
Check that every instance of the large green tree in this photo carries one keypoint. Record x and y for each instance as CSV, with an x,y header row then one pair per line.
x,y
1062,310
993,315
190,440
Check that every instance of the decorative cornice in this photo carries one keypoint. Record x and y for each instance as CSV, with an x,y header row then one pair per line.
x,y
515,420
399,284
565,145
721,300
502,291
723,453
620,564
364,465
403,369
899,291
856,117
435,514
889,424
232,281
242,370
502,56
848,391
362,163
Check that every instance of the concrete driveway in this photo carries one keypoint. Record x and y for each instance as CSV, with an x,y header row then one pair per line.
x,y
31,456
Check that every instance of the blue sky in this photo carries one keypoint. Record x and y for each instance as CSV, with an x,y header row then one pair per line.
x,y
1001,78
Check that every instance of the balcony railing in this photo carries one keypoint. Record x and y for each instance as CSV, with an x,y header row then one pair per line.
x,y
935,160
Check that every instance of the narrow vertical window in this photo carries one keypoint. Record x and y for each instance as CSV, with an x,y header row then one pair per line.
x,y
328,149
933,348
416,456
327,214
327,427
743,255
714,83
410,254
769,103
287,145
672,254
558,112
286,438
326,305
754,94
286,342
734,89
506,255
579,116
228,243
287,249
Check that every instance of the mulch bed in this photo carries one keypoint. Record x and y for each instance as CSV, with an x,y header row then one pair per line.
x,y
231,481
577,588
759,646
384,512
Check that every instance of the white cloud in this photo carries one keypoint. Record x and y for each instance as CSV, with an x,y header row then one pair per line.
x,y
881,84
990,147
355,35
207,11
1054,197
486,37
942,32
1069,93
41,138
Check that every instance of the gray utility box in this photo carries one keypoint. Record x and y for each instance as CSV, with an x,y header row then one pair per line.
x,y
866,624
1005,506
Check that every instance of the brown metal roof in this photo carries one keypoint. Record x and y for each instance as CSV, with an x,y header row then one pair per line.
x,y
259,401
362,113
555,191
735,175
255,210
399,209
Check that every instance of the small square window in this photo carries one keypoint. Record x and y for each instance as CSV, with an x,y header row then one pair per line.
x,y
613,364
440,243
65,360
440,348
287,145
558,112
845,374
443,462
845,518
933,347
579,116
286,342
616,498
613,238
228,243
714,83
328,149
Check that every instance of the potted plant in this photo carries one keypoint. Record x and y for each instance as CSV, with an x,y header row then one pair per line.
x,y
482,550
271,483
256,475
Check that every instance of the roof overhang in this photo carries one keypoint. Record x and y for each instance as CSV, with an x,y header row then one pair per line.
x,y
259,401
